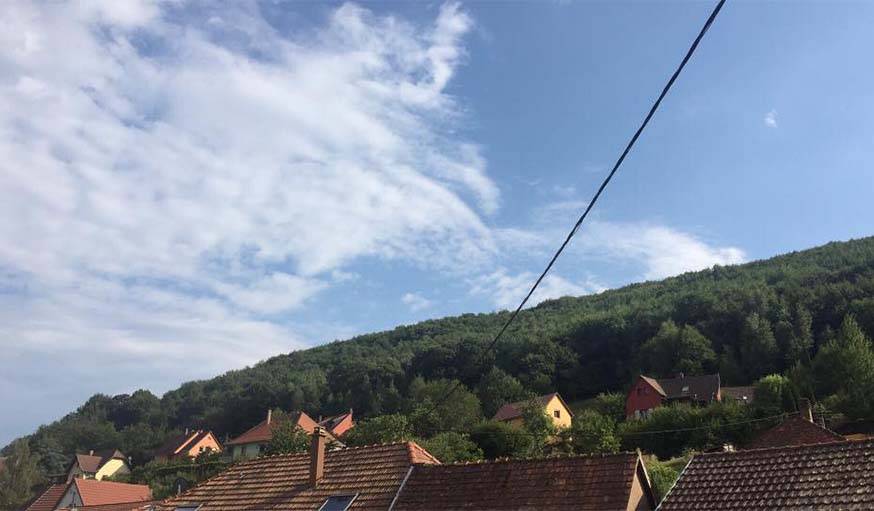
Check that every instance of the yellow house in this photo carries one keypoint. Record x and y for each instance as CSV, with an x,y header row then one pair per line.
x,y
553,406
97,465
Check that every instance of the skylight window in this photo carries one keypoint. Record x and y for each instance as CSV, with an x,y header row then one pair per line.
x,y
338,502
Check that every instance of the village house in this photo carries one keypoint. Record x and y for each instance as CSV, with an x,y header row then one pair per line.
x,y
188,445
648,393
610,482
338,425
798,429
253,441
553,406
97,465
829,476
743,394
92,495
367,478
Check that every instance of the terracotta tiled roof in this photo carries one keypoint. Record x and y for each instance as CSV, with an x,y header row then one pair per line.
x,y
95,493
513,410
795,430
48,499
282,482
338,424
579,483
263,431
837,475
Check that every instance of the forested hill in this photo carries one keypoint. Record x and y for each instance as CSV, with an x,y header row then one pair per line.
x,y
753,319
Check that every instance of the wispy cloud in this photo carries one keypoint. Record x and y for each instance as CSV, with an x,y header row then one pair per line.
x,y
771,119
506,290
415,301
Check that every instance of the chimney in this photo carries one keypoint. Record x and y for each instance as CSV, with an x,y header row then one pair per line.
x,y
317,456
805,409
186,431
269,415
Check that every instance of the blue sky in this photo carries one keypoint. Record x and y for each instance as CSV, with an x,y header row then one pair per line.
x,y
189,189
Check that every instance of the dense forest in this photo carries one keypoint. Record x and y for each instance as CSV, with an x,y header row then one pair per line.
x,y
792,320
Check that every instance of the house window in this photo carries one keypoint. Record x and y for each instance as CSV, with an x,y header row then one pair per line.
x,y
686,389
338,503
556,414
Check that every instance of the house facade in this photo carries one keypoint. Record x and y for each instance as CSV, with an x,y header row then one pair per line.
x,y
98,465
188,445
553,406
649,393
253,441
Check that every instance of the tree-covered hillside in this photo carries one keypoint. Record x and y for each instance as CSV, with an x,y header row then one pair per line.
x,y
744,321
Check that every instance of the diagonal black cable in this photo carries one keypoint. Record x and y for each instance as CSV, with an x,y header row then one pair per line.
x,y
597,195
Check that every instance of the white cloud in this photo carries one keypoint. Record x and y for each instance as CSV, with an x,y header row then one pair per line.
x,y
771,119
160,199
415,301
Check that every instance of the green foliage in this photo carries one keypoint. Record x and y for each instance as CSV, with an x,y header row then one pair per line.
x,y
497,388
773,395
663,475
539,429
500,440
592,432
758,347
677,349
845,367
460,412
451,447
381,429
165,478
19,477
288,437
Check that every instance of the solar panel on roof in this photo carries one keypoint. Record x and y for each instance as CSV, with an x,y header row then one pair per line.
x,y
338,503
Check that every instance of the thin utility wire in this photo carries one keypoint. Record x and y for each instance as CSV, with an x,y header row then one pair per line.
x,y
597,195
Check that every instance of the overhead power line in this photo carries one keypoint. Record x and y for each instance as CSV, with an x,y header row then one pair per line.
x,y
598,193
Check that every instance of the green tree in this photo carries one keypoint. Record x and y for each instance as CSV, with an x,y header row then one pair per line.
x,y
497,388
773,395
381,429
288,437
539,429
677,349
20,476
432,412
593,433
758,347
845,367
499,439
610,404
451,447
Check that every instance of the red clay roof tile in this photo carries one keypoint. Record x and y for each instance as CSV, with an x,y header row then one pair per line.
x,y
48,499
94,492
794,431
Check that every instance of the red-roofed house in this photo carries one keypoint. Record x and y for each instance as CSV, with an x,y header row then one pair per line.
x,y
250,443
188,445
49,499
612,482
553,406
97,465
797,430
91,492
649,393
338,425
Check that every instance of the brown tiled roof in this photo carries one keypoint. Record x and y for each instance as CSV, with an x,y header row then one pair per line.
x,y
180,443
95,493
513,410
338,424
739,393
795,430
579,483
282,482
91,463
48,499
837,475
700,388
263,431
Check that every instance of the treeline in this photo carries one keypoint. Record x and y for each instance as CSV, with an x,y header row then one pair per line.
x,y
777,316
